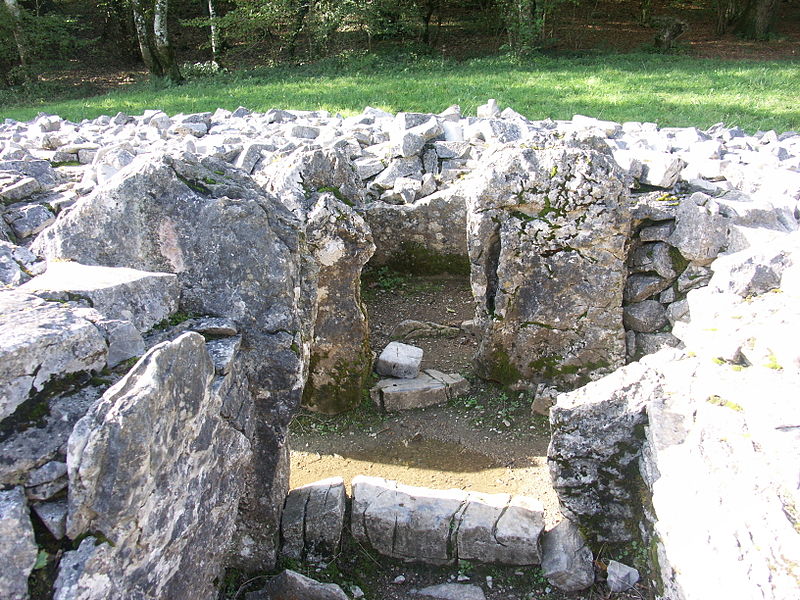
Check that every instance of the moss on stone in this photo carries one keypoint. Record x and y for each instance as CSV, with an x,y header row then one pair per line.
x,y
416,259
499,368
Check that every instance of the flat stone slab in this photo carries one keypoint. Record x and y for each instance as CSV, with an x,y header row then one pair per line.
x,y
399,360
442,526
142,297
290,585
452,591
429,388
42,340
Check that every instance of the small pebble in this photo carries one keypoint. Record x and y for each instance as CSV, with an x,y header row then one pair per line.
x,y
489,581
399,579
462,577
356,592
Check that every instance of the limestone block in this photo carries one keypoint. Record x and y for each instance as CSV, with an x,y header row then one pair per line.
x,y
429,388
640,286
18,548
290,585
567,561
223,353
645,317
40,170
28,219
700,230
660,169
158,489
54,516
399,360
144,298
621,577
452,591
313,520
39,341
22,189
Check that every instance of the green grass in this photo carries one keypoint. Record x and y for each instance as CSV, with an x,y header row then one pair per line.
x,y
670,90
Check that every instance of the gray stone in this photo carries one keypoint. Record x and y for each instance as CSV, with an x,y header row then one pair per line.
x,y
11,273
693,277
488,110
650,343
547,224
640,286
435,224
621,577
340,359
398,167
678,311
223,352
54,516
28,219
17,546
141,297
289,585
313,520
567,561
594,450
40,170
251,154
427,389
22,189
656,233
214,326
753,271
123,339
660,169
399,360
41,341
654,257
408,143
700,230
405,522
368,166
452,591
182,477
500,529
186,224
46,481
654,206
645,317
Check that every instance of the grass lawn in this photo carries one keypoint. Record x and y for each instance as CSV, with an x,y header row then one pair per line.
x,y
669,90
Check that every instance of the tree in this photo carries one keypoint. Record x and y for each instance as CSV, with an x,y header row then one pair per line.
x,y
19,32
154,44
756,21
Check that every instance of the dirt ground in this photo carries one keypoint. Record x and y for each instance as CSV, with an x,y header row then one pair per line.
x,y
486,441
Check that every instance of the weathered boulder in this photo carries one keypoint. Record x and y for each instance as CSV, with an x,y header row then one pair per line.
x,y
160,489
566,559
597,433
28,219
41,341
18,548
700,230
141,297
341,359
313,520
193,218
547,236
290,585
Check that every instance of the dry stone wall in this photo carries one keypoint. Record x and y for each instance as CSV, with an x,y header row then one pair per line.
x,y
251,230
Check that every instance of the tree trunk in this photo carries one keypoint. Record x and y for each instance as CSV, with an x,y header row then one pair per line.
x,y
212,17
149,55
299,17
163,48
756,20
19,34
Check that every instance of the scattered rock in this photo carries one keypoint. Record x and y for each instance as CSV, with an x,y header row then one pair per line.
x,y
452,591
567,561
18,548
621,577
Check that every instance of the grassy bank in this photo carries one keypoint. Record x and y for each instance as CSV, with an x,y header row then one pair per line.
x,y
669,90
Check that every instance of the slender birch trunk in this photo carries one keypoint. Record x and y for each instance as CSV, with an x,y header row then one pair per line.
x,y
212,17
151,61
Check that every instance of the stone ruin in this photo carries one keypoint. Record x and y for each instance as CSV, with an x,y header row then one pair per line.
x,y
175,288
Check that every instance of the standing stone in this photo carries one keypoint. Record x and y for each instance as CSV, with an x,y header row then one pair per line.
x,y
595,447
17,545
399,360
566,559
312,521
547,236
164,490
177,214
341,360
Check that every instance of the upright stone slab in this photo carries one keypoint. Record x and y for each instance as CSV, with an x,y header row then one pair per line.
x,y
313,519
155,468
17,546
547,233
237,253
341,360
